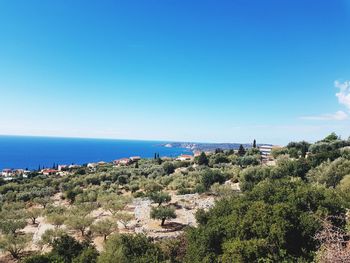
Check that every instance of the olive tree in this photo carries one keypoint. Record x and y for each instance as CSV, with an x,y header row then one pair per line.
x,y
104,227
34,213
114,203
162,213
49,236
14,244
124,218
160,197
13,218
56,219
43,201
79,223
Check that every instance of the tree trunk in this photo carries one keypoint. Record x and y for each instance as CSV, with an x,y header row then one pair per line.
x,y
14,253
125,224
163,220
82,232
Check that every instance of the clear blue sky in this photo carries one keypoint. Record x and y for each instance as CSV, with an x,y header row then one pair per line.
x,y
190,70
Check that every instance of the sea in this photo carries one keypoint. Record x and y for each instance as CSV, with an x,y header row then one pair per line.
x,y
26,152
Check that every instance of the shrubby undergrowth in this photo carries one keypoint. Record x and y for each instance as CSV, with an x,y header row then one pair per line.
x,y
274,218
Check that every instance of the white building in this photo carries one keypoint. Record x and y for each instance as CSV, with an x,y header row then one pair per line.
x,y
62,167
122,161
72,166
265,150
92,165
184,157
135,158
7,172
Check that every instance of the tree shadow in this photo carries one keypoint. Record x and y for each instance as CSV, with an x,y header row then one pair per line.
x,y
173,226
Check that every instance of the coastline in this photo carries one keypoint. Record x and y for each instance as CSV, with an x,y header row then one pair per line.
x,y
31,152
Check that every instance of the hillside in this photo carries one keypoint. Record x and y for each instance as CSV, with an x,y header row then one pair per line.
x,y
220,207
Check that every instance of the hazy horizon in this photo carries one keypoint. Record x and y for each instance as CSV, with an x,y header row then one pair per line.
x,y
125,139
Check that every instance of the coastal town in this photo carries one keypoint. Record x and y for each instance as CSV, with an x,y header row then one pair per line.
x,y
65,169
165,200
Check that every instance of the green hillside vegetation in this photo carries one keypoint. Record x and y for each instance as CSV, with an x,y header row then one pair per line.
x,y
280,214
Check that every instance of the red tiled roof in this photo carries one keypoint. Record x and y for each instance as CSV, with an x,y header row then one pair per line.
x,y
186,155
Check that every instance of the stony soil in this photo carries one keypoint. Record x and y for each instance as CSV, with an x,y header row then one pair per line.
x,y
185,205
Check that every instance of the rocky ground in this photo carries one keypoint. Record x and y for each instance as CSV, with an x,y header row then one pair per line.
x,y
185,205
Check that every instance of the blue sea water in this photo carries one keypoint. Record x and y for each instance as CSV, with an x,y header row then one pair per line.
x,y
30,152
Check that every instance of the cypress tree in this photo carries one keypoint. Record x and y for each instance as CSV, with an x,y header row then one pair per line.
x,y
159,160
241,150
203,159
254,143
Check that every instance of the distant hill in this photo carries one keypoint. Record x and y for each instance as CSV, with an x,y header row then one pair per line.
x,y
206,146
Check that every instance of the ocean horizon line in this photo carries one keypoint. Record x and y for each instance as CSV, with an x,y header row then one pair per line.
x,y
123,139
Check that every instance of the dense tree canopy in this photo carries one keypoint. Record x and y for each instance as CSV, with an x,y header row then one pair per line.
x,y
276,221
130,249
202,159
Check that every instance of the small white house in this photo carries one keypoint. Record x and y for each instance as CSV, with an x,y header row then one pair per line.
x,y
135,158
74,166
184,157
92,165
49,171
62,167
7,172
122,161
265,150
